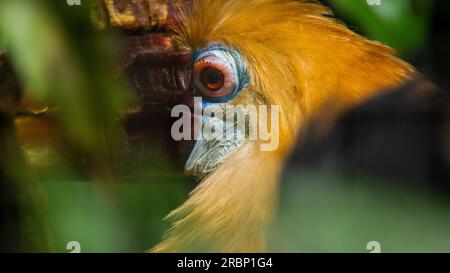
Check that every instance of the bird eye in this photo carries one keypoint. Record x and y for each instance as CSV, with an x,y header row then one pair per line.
x,y
213,78
219,73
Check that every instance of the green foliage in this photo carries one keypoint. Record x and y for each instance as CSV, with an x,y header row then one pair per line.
x,y
71,72
328,210
402,24
129,222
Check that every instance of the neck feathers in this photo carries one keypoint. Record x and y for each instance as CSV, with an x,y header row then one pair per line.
x,y
230,209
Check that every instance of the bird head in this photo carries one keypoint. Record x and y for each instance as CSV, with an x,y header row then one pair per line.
x,y
287,53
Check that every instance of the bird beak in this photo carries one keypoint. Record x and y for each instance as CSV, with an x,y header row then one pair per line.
x,y
160,78
160,75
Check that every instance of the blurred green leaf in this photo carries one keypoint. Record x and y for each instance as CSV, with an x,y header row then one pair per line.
x,y
2,43
76,76
402,24
132,222
323,210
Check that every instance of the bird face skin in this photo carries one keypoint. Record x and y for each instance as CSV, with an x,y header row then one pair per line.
x,y
289,53
219,75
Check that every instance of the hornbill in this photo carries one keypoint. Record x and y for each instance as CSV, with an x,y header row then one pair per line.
x,y
293,54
